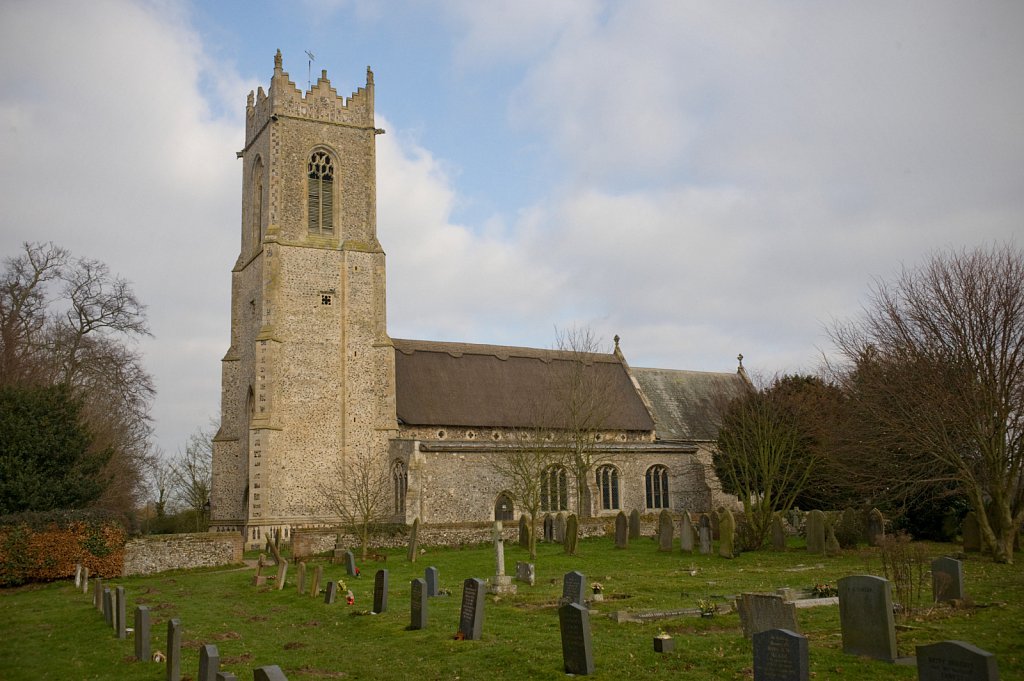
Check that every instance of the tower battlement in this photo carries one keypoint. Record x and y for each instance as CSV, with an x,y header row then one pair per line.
x,y
320,103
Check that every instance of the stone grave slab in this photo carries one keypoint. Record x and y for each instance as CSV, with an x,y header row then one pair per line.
x,y
577,646
780,655
865,615
634,524
120,614
85,580
778,534
331,593
108,607
666,531
686,533
430,577
300,583
471,614
762,612
704,534
971,532
282,574
318,575
955,661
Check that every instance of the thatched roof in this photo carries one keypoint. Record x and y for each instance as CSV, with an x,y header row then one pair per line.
x,y
684,403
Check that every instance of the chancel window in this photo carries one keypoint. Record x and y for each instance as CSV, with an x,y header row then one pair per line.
x,y
321,193
400,482
554,489
657,487
608,487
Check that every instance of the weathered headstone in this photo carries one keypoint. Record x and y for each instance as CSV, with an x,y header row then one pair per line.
x,y
549,527
704,534
97,596
142,625
174,650
471,615
380,591
686,533
526,572
577,648
209,662
410,555
831,541
947,579
108,607
524,531
816,532
85,580
780,655
848,529
726,534
955,661
715,518
573,587
778,534
666,530
971,533
418,609
430,577
621,531
572,534
559,528
269,673
282,573
350,564
318,575
761,612
78,575
634,524
120,614
301,581
331,593
875,527
259,579
865,615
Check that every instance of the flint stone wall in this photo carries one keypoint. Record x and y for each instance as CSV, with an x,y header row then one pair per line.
x,y
157,553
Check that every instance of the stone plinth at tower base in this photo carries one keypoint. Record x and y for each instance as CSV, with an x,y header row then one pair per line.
x,y
501,584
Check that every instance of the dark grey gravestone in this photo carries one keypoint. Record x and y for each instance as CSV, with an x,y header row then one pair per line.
x,y
549,527
955,661
780,655
865,615
380,591
120,614
418,609
577,648
666,530
331,593
947,579
559,531
301,581
778,534
108,607
761,612
350,564
524,531
97,596
816,532
430,577
526,572
113,609
573,587
704,534
209,661
142,633
268,673
174,650
971,532
686,533
471,615
634,524
621,531
226,676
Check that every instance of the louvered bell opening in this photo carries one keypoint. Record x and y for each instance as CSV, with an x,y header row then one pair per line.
x,y
327,205
314,205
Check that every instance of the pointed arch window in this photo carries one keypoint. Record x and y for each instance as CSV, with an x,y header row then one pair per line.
x,y
554,489
256,219
608,487
320,176
504,510
657,487
400,482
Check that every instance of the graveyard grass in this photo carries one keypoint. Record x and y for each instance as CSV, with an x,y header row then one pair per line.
x,y
52,631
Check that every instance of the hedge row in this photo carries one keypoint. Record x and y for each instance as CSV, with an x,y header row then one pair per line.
x,y
46,547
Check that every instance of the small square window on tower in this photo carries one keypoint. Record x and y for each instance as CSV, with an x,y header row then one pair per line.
x,y
325,298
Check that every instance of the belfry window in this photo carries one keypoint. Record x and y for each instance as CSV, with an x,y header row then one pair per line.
x,y
554,491
608,487
657,487
321,193
257,202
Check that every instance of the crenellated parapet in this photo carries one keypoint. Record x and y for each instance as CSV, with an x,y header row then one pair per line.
x,y
320,103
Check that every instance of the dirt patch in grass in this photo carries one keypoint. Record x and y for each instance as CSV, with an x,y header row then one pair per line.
x,y
321,673
294,645
227,636
237,659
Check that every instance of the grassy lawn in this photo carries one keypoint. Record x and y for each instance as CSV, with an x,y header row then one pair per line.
x,y
53,632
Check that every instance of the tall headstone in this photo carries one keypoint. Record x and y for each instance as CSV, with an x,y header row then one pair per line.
x,y
778,534
549,528
686,533
350,564
78,575
471,614
269,673
418,609
621,531
301,581
947,579
85,580
282,573
108,607
120,614
430,577
380,591
97,596
666,530
955,661
971,533
816,532
875,527
572,534
318,575
410,555
704,534
634,524
865,615
142,627
761,612
524,531
209,662
573,587
715,518
113,610
560,528
727,535
577,647
174,650
330,593
780,655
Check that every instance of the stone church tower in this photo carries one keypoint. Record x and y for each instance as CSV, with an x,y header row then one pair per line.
x,y
309,380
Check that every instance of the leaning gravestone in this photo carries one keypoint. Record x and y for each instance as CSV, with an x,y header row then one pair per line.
x,y
778,534
621,531
559,530
780,655
174,650
955,661
209,662
331,593
526,572
947,579
865,615
573,587
282,573
634,524
761,612
971,532
524,531
142,625
410,555
471,615
268,673
816,532
418,606
666,531
727,535
686,533
875,527
704,534
120,614
380,591
577,648
430,577
350,564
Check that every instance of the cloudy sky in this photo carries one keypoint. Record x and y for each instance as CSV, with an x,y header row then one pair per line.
x,y
702,178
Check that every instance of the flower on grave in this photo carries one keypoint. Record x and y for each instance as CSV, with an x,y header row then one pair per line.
x,y
706,606
357,573
597,587
341,586
350,598
663,635
824,590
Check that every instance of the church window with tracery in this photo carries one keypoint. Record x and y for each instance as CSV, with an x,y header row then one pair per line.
x,y
554,489
320,175
657,487
400,481
608,487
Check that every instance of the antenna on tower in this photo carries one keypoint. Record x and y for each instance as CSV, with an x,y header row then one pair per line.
x,y
309,69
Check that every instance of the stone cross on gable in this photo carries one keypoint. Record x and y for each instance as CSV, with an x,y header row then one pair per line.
x,y
499,548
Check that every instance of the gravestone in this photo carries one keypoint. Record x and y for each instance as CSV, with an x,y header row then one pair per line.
x,y
865,615
971,532
577,648
108,607
209,662
875,528
715,518
778,534
524,531
410,555
380,591
762,612
142,625
174,650
634,524
113,610
350,564
704,534
282,573
549,527
471,615
301,581
418,609
97,596
572,534
816,532
955,661
947,579
726,534
848,529
573,587
526,572
686,533
78,575
559,531
318,575
85,580
780,655
430,576
666,531
120,614
269,673
831,541
259,579
621,531
331,593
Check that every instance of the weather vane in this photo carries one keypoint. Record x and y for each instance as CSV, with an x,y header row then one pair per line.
x,y
309,69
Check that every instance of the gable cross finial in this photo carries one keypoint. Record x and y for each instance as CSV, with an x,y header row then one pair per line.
x,y
740,358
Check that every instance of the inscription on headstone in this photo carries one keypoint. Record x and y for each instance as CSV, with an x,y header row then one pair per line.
x,y
471,615
955,661
573,587
780,655
142,625
577,648
419,604
380,591
430,576
947,579
865,615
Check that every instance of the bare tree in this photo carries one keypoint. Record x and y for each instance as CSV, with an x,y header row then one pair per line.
x,y
23,310
935,373
191,473
360,493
